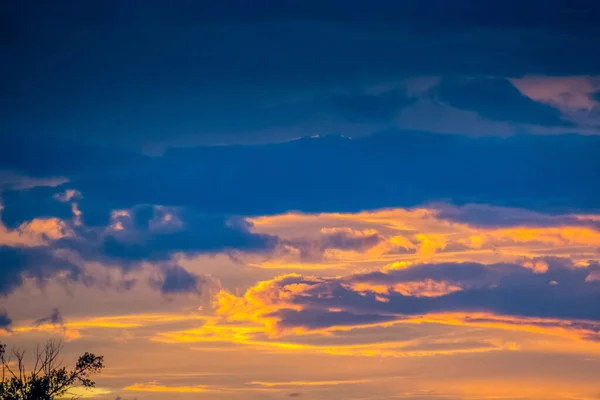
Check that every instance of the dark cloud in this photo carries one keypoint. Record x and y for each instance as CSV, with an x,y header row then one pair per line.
x,y
501,289
55,318
39,263
163,72
38,202
295,394
338,238
348,239
481,215
396,169
5,320
131,236
143,233
197,234
316,319
366,107
498,99
176,279
467,275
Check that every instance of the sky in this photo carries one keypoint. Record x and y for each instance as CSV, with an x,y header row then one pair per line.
x,y
305,199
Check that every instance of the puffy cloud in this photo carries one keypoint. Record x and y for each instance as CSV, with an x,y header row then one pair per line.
x,y
39,263
51,247
197,234
156,233
434,233
176,279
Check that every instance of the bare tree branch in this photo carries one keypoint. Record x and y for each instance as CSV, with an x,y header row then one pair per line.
x,y
48,379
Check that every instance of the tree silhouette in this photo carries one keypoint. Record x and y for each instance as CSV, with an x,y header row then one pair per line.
x,y
48,379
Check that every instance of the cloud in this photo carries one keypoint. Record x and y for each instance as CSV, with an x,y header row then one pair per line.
x,y
340,238
498,99
349,239
198,234
51,247
55,318
295,303
156,233
358,44
55,323
156,388
39,202
365,107
510,172
569,93
176,279
39,263
12,181
485,216
5,320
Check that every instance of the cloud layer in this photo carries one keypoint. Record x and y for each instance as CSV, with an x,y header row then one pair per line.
x,y
293,303
388,170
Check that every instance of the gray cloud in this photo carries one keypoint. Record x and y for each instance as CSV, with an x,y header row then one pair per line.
x,y
176,279
155,233
343,239
5,320
564,292
143,233
39,263
481,215
539,173
366,107
55,318
498,99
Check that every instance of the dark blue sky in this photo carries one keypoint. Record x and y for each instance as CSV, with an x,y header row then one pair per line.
x,y
149,74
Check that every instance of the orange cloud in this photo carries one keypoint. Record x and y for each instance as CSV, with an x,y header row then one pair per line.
x,y
295,304
156,388
309,383
482,233
50,228
426,288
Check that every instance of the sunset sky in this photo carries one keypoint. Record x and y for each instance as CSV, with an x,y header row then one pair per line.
x,y
261,199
